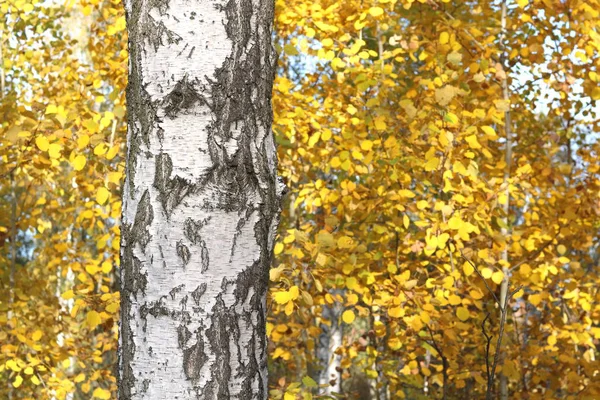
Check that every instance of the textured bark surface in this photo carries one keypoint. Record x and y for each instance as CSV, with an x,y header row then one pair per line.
x,y
200,202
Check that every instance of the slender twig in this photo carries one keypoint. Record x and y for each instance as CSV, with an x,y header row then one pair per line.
x,y
487,346
497,353
444,364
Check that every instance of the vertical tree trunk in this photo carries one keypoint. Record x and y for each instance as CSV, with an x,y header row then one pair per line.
x,y
201,200
329,340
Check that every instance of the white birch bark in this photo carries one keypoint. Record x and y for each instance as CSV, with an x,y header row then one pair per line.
x,y
200,202
330,340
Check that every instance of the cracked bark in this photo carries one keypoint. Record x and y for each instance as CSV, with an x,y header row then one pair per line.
x,y
201,200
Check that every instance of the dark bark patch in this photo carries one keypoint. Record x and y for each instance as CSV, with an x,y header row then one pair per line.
x,y
143,218
182,98
198,292
194,359
204,256
171,191
191,229
183,335
173,292
183,252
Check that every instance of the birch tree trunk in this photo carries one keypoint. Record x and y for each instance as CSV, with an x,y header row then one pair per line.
x,y
201,200
329,341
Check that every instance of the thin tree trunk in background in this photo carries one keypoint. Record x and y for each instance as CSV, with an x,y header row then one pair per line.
x,y
506,230
329,340
201,200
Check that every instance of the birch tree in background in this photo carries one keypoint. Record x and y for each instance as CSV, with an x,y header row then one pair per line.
x,y
201,200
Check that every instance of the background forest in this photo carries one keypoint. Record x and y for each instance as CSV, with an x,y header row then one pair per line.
x,y
442,160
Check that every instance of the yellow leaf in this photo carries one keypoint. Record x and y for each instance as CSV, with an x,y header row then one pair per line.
x,y
406,193
294,292
42,143
289,396
289,308
11,364
112,308
396,312
376,11
325,239
282,297
102,195
345,242
486,272
351,282
35,380
468,268
473,143
37,335
93,319
314,139
444,37
552,340
17,382
28,371
454,300
462,313
522,3
348,316
476,294
68,295
489,131
79,378
278,248
366,145
54,150
380,124
535,299
79,162
451,118
290,50
100,149
83,141
101,394
455,222
432,164
51,109
497,277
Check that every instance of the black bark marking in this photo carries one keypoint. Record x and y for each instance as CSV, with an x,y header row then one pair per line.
x,y
183,335
183,97
191,229
143,218
173,292
194,359
238,230
198,292
223,331
183,252
204,256
171,191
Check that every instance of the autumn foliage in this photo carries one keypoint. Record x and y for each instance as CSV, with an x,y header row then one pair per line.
x,y
443,165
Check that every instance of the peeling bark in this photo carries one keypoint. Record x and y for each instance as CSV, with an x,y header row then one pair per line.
x,y
201,200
